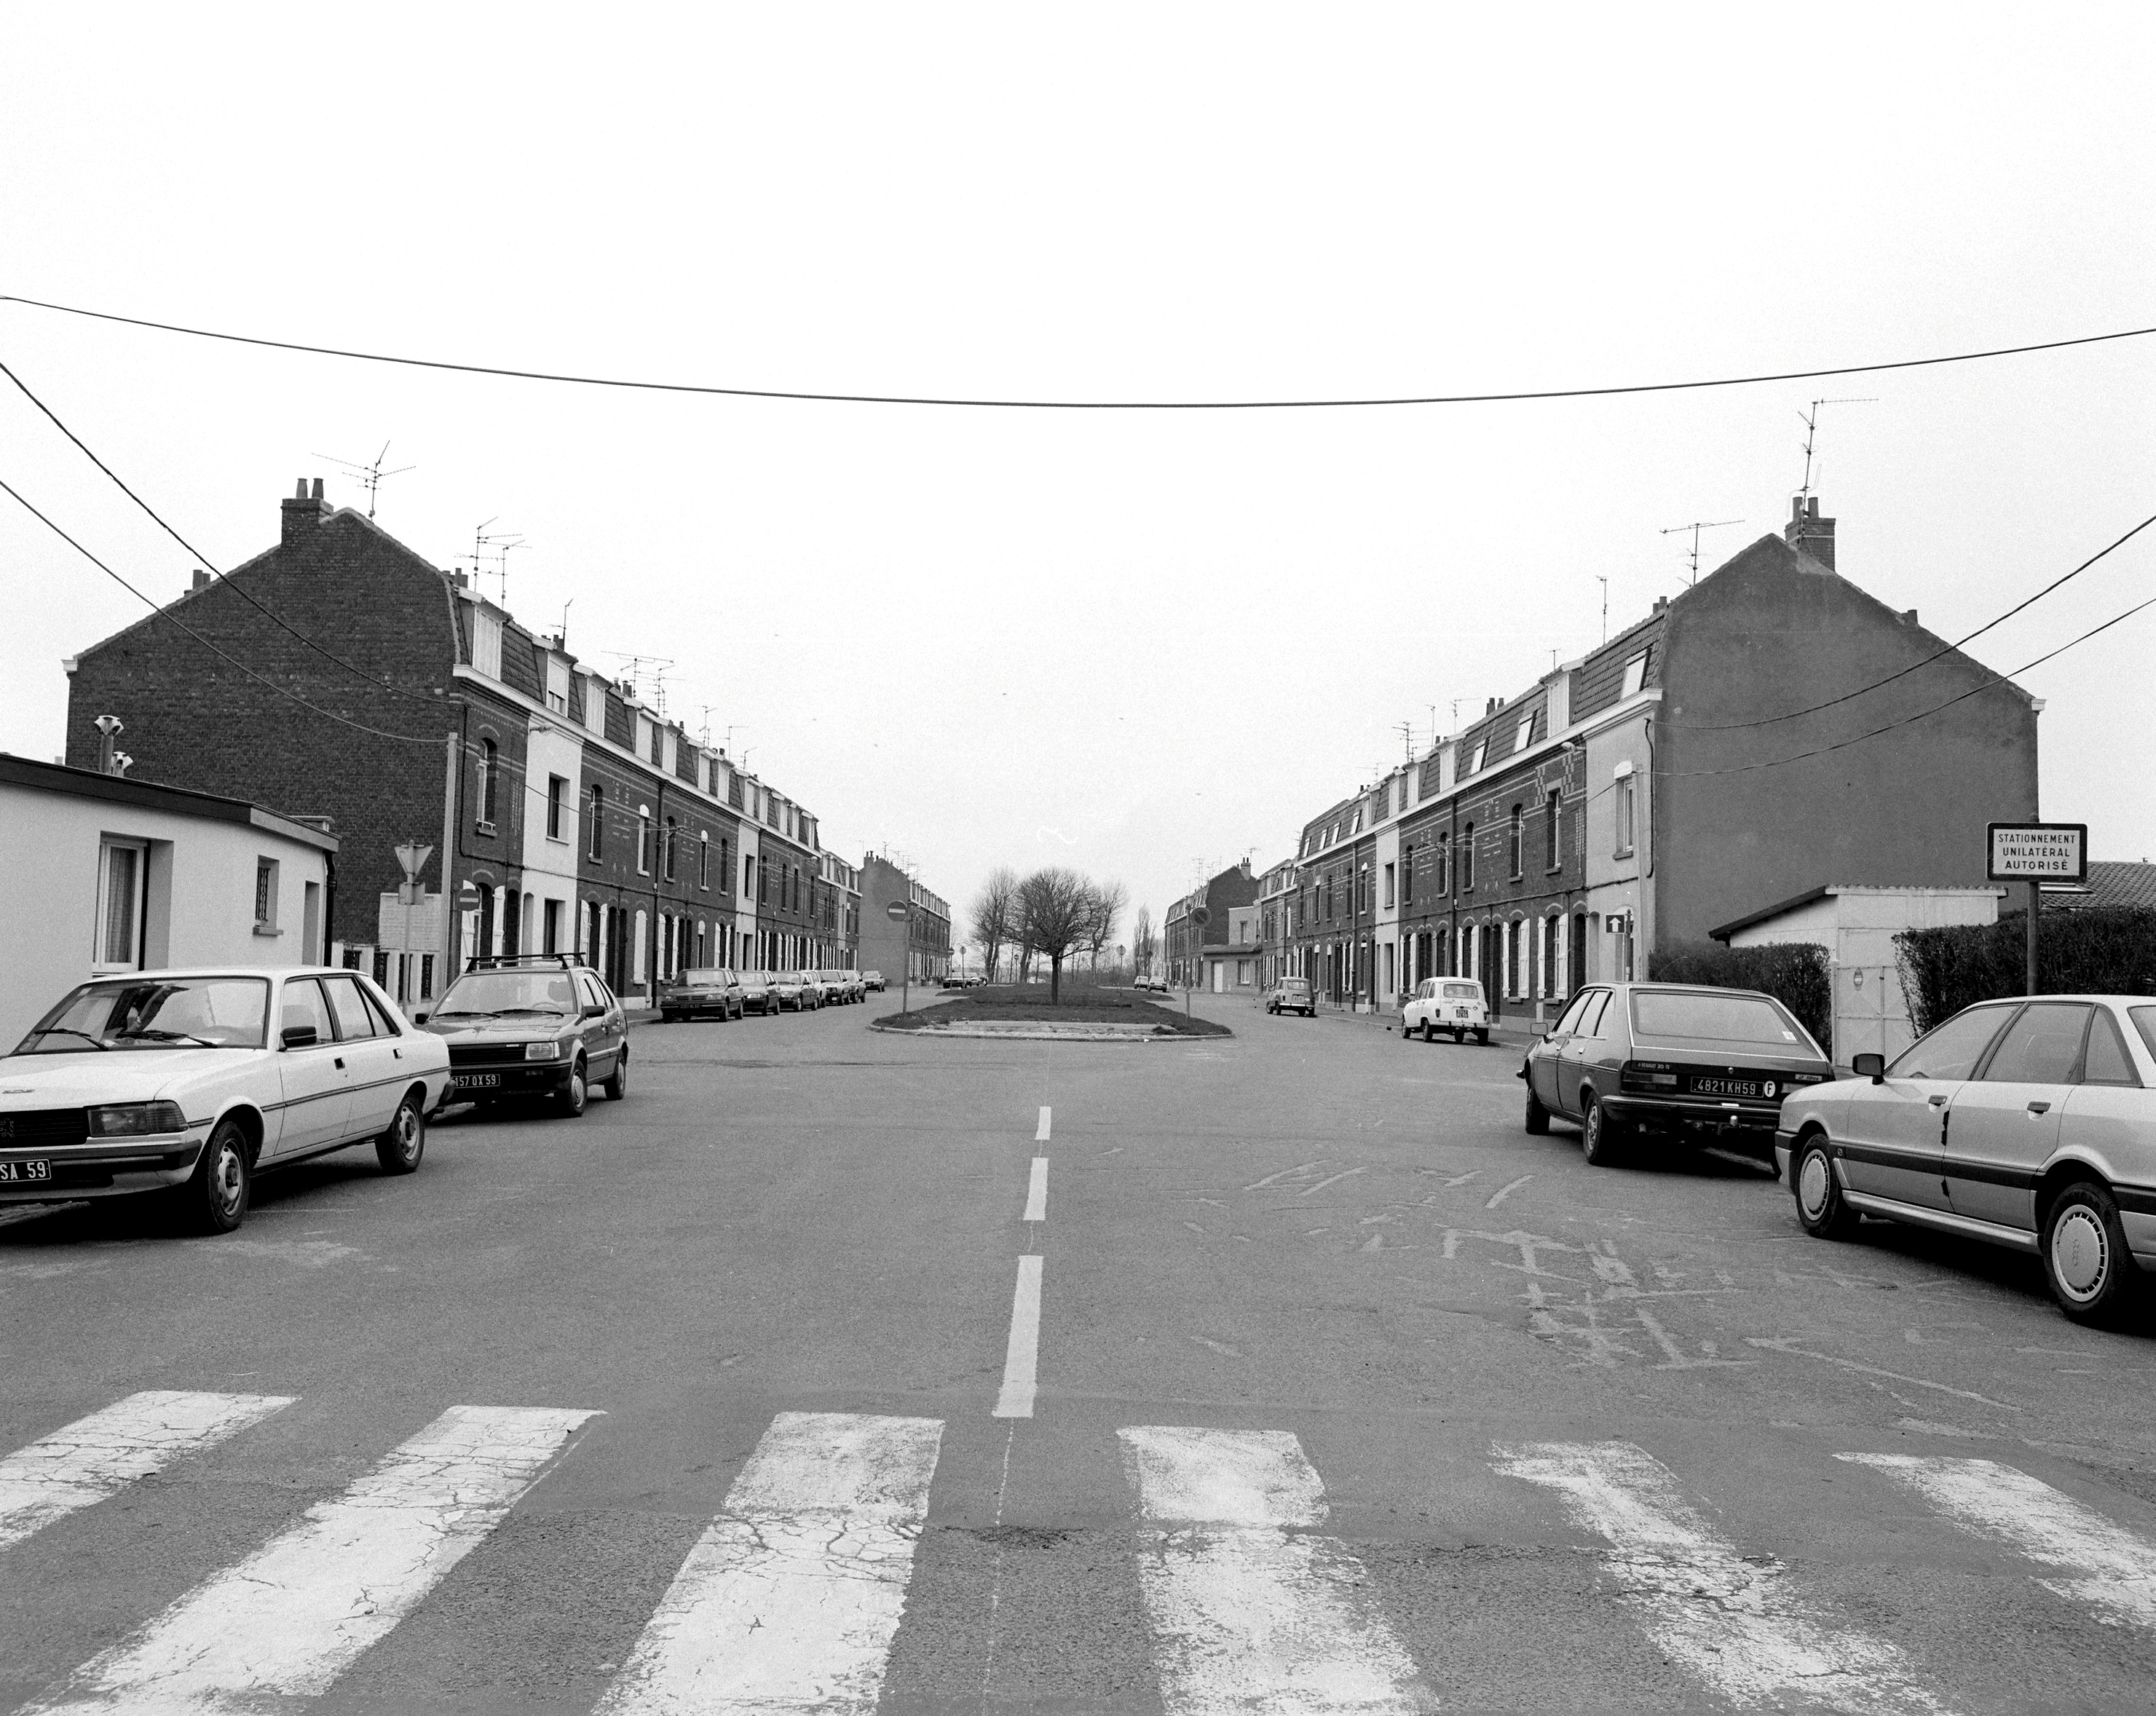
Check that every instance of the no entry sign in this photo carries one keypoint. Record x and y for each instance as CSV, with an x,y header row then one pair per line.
x,y
898,911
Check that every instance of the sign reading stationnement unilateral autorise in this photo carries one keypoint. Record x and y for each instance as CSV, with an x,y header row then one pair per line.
x,y
2036,852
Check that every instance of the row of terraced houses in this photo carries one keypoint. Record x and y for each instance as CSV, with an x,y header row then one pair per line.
x,y
491,792
1770,730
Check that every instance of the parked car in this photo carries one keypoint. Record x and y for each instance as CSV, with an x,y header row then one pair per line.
x,y
1289,995
796,990
532,1025
2028,1124
758,995
1628,1061
1452,1004
174,1081
873,980
703,990
855,989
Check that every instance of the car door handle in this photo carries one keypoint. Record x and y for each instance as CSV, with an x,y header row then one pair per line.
x,y
340,1063
1937,1102
2040,1108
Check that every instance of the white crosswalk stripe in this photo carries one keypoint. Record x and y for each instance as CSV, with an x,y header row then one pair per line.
x,y
790,1601
1251,1612
2111,1569
84,1462
1737,1622
292,1616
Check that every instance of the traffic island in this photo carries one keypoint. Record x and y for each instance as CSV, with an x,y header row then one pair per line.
x,y
1027,1014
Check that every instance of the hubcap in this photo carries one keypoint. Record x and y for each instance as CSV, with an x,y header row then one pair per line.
x,y
576,1090
1593,1129
228,1179
1812,1184
2078,1251
408,1132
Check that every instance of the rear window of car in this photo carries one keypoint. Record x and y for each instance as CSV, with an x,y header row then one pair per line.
x,y
1463,991
1295,983
1721,1018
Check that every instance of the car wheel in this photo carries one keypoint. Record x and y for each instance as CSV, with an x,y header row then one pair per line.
x,y
1429,1029
2086,1262
1482,1038
398,1149
1459,1035
1600,1137
214,1199
1820,1207
570,1099
1537,1115
616,1085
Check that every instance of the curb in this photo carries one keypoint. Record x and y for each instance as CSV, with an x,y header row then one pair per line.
x,y
940,1031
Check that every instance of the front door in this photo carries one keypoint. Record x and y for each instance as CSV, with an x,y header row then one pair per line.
x,y
1896,1146
1580,1048
1543,1063
2003,1125
316,1090
371,1063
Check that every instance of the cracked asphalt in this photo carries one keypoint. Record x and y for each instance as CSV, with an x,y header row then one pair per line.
x,y
1311,1226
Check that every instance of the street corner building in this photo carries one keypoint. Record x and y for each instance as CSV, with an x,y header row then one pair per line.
x,y
491,794
914,949
1770,730
1224,954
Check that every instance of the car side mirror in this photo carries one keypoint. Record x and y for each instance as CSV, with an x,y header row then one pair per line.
x,y
594,1010
1869,1066
299,1037
418,1018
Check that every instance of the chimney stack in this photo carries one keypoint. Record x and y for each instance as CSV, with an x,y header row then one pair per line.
x,y
201,580
108,729
303,512
1807,532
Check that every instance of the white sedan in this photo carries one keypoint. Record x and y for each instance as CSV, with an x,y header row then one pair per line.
x,y
175,1079
2030,1123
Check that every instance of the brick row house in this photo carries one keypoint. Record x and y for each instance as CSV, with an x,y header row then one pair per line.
x,y
1207,956
1770,729
916,949
550,808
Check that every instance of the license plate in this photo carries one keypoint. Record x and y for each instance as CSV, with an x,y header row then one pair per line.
x,y
1724,1087
478,1081
26,1170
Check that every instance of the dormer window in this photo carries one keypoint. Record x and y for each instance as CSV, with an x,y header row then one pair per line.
x,y
1527,734
1636,674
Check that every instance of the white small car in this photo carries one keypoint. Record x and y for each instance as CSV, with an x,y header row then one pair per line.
x,y
176,1080
1452,1004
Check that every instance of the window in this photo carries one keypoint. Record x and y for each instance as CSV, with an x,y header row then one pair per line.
x,y
1636,674
658,744
557,791
349,1007
487,643
303,1008
1550,985
1444,864
1407,876
667,851
1515,841
1474,763
1467,859
1552,848
2106,1061
595,843
265,893
1389,887
1525,737
488,768
2042,1047
1718,1015
704,859
1627,806
725,865
119,889
551,939
643,840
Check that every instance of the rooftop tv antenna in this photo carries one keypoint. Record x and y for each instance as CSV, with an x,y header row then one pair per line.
x,y
1811,429
369,477
1406,731
561,635
501,541
1604,583
1696,526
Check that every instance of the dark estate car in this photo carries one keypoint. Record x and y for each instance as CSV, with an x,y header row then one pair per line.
x,y
702,989
533,1026
1628,1059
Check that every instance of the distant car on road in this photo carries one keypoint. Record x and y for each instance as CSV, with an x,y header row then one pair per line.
x,y
532,1025
873,980
797,990
175,1081
703,990
758,995
1631,1060
1291,995
2028,1123
1452,1004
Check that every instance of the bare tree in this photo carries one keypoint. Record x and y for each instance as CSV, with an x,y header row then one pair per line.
x,y
1110,900
995,916
1057,908
1143,942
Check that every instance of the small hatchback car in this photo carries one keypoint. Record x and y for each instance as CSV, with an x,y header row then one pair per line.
x,y
1292,995
535,1025
1449,1004
700,990
1628,1059
2028,1124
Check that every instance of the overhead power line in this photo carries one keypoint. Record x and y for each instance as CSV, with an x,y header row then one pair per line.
x,y
269,613
836,398
1900,672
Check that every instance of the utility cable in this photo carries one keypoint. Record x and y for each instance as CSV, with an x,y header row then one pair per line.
x,y
481,369
1949,649
166,613
270,613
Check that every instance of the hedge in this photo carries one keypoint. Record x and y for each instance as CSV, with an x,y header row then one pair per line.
x,y
2093,950
1794,972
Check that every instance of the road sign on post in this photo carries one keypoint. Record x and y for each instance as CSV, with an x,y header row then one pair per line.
x,y
1199,917
2035,852
901,911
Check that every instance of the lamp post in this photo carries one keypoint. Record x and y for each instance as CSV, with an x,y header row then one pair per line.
x,y
901,911
1199,917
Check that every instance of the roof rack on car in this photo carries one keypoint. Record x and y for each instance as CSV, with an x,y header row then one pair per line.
x,y
497,961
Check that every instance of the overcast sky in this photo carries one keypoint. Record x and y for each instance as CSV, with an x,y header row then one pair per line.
x,y
1144,644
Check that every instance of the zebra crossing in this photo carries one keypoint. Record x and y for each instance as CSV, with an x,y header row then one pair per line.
x,y
791,1598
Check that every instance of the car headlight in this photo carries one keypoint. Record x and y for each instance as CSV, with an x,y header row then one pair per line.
x,y
547,1050
135,1119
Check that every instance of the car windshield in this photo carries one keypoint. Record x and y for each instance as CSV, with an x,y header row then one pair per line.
x,y
161,1013
1463,991
704,975
1721,1018
478,993
789,976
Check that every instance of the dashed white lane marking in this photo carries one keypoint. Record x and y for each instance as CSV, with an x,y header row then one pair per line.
x,y
789,1601
94,1457
1250,1612
1734,1620
1022,1357
1040,1132
1036,1191
293,1616
2113,1570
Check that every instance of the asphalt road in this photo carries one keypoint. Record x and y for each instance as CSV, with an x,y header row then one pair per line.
x,y
1347,1395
